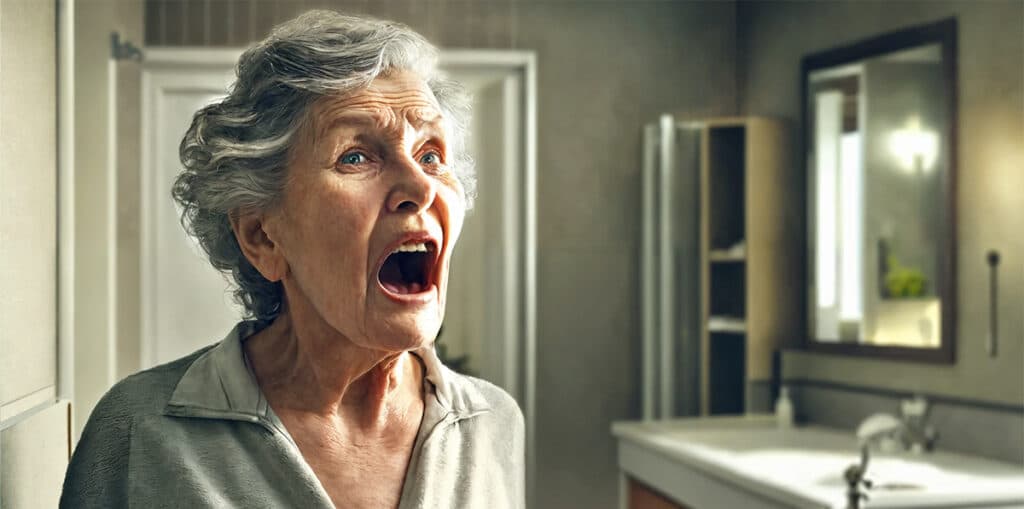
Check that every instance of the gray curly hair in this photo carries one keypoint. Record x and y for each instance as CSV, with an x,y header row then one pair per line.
x,y
236,151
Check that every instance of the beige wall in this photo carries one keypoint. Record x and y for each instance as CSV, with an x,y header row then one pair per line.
x,y
772,39
97,278
604,69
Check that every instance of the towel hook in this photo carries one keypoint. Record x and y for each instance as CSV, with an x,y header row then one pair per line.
x,y
993,316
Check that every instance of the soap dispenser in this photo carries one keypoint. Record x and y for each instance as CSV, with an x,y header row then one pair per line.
x,y
784,409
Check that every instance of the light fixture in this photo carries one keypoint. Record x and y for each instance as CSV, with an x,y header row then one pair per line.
x,y
915,148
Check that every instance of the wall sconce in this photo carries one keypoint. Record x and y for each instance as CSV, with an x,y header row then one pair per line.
x,y
915,148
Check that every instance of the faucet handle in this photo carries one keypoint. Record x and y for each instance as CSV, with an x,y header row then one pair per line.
x,y
877,426
916,407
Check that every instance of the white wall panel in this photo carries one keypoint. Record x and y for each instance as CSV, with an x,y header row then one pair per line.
x,y
35,456
28,198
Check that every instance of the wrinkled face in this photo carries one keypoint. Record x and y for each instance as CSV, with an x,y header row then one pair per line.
x,y
370,214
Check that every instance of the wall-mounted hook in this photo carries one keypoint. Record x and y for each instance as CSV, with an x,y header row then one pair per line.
x,y
123,50
993,316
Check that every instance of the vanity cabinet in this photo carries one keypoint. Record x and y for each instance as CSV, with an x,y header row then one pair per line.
x,y
751,254
641,496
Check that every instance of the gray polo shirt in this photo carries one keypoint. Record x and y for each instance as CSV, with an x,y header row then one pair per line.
x,y
197,432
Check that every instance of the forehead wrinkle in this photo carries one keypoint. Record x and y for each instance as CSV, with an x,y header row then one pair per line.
x,y
405,98
386,119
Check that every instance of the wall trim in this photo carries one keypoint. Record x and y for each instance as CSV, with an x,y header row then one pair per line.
x,y
27,406
66,199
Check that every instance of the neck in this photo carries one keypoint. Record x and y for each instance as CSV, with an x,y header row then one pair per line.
x,y
313,370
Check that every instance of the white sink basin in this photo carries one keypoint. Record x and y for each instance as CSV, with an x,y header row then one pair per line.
x,y
804,466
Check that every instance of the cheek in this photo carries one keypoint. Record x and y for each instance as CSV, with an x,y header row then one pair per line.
x,y
455,215
329,238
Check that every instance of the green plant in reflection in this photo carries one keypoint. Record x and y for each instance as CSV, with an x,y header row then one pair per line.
x,y
901,281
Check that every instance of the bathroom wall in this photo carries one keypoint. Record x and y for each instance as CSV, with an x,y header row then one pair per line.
x,y
604,69
773,38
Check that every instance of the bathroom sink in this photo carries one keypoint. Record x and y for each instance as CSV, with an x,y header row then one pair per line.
x,y
803,467
922,479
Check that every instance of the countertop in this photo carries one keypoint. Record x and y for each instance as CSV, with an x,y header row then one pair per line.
x,y
803,466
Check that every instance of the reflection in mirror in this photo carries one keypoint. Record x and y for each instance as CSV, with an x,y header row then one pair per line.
x,y
879,155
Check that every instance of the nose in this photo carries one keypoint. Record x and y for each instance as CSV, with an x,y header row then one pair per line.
x,y
412,190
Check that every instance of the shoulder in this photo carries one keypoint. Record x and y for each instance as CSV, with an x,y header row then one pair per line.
x,y
473,395
97,473
145,392
493,437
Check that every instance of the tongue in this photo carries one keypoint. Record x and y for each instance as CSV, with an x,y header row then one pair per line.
x,y
402,288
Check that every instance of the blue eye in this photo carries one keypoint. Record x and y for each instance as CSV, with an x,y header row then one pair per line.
x,y
430,158
352,158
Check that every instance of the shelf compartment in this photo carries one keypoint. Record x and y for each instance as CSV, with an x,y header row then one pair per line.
x,y
727,185
728,289
728,373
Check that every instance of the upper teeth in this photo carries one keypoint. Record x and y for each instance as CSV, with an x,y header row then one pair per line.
x,y
412,248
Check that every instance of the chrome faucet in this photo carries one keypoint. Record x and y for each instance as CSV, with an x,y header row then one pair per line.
x,y
918,436
912,431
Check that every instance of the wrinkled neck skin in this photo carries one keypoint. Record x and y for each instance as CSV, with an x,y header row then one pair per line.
x,y
306,368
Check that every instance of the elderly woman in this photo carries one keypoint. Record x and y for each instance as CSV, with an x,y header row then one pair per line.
x,y
331,183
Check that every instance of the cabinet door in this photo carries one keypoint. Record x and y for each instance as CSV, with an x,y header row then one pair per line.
x,y
642,497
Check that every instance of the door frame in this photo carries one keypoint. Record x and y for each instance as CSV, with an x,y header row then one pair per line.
x,y
520,203
524,208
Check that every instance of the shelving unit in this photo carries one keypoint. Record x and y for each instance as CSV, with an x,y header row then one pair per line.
x,y
751,255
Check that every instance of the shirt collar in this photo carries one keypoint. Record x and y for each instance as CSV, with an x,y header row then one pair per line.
x,y
219,384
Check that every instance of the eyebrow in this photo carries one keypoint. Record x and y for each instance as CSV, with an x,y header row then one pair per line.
x,y
353,118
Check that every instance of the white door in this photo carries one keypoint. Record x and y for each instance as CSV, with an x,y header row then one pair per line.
x,y
186,304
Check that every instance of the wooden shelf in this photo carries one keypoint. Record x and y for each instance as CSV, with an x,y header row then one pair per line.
x,y
728,324
724,256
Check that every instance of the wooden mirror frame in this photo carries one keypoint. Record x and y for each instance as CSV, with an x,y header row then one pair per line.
x,y
945,34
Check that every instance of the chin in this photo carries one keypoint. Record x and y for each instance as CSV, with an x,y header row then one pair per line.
x,y
397,338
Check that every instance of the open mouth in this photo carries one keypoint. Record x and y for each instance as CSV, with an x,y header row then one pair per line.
x,y
409,269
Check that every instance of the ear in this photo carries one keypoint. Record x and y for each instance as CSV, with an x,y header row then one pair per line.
x,y
262,252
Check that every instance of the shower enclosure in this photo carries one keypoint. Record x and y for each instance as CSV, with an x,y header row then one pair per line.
x,y
670,268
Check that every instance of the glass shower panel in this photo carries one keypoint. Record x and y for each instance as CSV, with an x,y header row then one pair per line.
x,y
670,269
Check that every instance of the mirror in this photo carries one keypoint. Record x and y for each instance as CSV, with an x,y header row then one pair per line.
x,y
880,137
